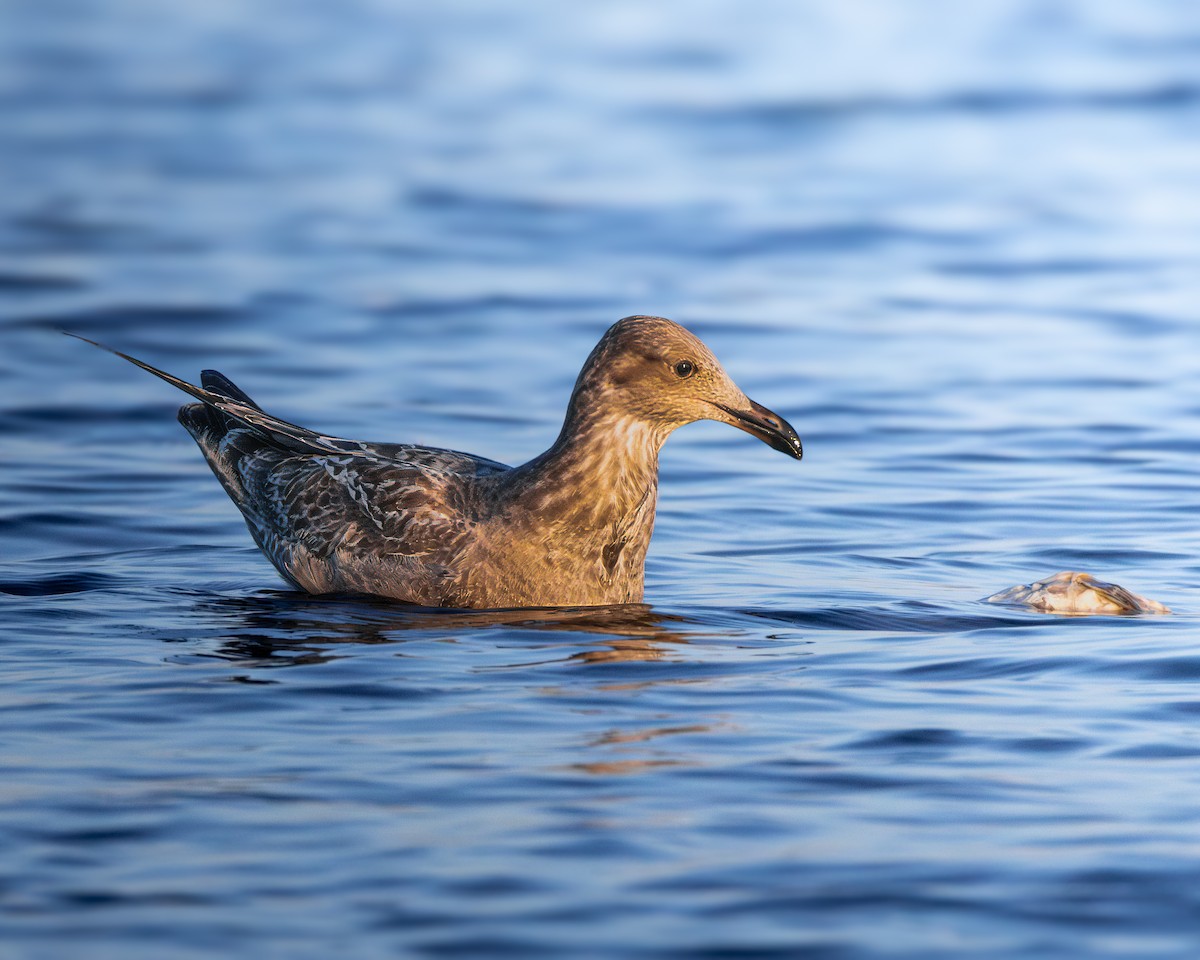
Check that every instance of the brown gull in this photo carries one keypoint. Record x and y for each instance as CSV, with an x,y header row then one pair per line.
x,y
447,529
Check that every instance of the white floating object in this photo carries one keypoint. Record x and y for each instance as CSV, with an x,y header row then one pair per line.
x,y
1072,592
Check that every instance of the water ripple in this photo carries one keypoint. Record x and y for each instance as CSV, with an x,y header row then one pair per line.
x,y
954,243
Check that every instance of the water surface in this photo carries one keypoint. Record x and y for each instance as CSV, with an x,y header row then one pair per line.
x,y
955,247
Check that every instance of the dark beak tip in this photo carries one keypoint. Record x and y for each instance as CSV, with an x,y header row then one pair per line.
x,y
780,436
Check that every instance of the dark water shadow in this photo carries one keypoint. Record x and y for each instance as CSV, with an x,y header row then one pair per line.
x,y
909,616
56,584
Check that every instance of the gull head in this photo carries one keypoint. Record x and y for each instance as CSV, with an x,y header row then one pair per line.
x,y
655,372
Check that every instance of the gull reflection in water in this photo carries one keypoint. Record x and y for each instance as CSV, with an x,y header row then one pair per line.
x,y
284,628
274,629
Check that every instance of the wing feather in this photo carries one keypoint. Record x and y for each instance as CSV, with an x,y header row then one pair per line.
x,y
321,506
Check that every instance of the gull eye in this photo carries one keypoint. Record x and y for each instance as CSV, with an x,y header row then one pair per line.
x,y
684,369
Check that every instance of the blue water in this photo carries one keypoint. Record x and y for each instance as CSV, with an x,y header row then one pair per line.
x,y
955,244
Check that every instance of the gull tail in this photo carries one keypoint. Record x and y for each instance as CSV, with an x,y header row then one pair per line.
x,y
222,401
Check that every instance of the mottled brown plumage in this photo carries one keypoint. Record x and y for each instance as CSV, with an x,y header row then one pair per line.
x,y
441,528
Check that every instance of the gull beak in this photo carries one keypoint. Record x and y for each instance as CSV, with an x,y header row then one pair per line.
x,y
769,427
